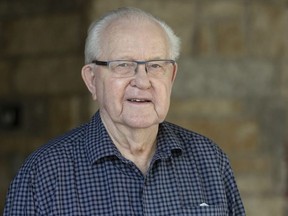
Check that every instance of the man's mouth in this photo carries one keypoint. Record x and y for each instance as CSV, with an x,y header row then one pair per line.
x,y
137,100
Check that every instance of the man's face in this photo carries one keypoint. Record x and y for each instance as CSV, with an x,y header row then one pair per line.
x,y
140,101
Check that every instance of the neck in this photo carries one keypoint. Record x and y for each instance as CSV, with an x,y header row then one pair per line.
x,y
138,148
136,145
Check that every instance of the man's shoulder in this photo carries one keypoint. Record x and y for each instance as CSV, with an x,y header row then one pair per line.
x,y
56,150
194,142
203,151
187,135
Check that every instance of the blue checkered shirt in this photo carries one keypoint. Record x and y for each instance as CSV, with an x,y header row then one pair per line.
x,y
83,173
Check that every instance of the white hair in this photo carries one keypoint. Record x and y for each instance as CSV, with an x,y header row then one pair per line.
x,y
98,27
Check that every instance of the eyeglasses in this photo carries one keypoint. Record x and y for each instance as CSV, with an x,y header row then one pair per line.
x,y
128,68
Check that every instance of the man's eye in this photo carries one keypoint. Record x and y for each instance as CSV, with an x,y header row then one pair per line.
x,y
125,65
156,66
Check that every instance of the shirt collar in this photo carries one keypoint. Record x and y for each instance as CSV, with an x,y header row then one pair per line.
x,y
97,140
99,144
168,142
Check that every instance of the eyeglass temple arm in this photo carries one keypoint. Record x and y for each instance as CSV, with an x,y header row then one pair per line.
x,y
105,63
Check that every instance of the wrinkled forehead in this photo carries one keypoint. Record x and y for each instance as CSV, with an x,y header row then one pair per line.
x,y
130,25
125,32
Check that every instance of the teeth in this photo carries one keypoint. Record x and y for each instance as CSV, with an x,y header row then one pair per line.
x,y
137,100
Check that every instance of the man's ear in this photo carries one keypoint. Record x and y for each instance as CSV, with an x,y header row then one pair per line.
x,y
174,72
88,76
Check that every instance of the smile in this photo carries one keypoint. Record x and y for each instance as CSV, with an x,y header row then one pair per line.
x,y
136,100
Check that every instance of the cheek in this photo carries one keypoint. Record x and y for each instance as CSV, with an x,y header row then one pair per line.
x,y
113,91
163,96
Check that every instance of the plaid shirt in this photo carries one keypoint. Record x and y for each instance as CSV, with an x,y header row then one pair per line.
x,y
83,173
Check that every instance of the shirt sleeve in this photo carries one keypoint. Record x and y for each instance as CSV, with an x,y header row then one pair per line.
x,y
235,204
20,199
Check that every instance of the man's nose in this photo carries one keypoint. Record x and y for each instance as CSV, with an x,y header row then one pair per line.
x,y
141,78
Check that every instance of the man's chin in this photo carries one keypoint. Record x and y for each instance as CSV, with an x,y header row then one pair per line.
x,y
141,122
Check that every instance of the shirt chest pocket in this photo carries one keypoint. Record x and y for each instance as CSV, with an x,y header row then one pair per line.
x,y
206,211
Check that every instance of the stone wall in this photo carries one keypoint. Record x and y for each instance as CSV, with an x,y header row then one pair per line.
x,y
41,55
232,83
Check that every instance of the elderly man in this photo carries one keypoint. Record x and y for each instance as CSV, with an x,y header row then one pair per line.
x,y
127,160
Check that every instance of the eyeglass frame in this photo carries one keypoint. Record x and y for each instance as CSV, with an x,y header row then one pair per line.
x,y
106,63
